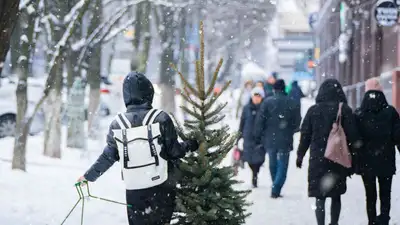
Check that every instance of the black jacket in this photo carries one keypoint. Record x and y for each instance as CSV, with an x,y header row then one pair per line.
x,y
251,154
378,123
138,95
277,121
296,93
315,130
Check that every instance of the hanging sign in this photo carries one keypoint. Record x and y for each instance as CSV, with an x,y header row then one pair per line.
x,y
386,13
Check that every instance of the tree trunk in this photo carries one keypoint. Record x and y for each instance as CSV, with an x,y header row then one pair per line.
x,y
147,37
167,78
52,137
73,54
71,61
227,69
76,115
8,17
15,46
138,26
94,71
182,48
22,127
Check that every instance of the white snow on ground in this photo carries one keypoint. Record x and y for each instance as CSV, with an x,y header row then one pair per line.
x,y
45,194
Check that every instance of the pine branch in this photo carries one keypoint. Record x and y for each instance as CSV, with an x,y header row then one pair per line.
x,y
184,81
192,113
215,120
202,49
200,80
215,111
186,97
214,78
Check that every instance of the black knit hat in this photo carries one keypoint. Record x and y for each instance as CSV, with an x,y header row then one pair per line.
x,y
279,85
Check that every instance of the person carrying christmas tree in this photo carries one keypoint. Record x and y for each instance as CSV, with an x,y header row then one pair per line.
x,y
275,124
252,154
145,142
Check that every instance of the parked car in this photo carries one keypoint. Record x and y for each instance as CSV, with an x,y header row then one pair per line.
x,y
8,110
8,107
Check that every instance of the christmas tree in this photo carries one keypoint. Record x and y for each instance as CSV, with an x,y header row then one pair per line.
x,y
206,191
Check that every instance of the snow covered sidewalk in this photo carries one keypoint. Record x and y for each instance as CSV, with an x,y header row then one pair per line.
x,y
45,194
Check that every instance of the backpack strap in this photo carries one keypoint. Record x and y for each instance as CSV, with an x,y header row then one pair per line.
x,y
121,121
153,116
150,120
125,119
147,117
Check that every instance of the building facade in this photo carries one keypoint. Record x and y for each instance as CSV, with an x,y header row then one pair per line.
x,y
353,48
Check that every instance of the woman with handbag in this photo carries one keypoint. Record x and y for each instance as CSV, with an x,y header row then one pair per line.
x,y
330,116
252,154
378,123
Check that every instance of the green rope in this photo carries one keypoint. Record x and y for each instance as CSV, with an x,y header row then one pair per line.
x,y
78,187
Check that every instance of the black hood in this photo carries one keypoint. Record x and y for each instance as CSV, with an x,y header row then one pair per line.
x,y
331,91
374,101
137,89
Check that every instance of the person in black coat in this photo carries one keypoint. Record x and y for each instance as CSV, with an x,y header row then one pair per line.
x,y
378,123
275,125
326,178
252,154
155,205
296,93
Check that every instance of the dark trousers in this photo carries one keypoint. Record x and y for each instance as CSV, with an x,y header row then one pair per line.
x,y
336,206
278,167
385,188
255,169
152,206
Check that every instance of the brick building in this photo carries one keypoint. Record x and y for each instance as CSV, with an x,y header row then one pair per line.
x,y
371,50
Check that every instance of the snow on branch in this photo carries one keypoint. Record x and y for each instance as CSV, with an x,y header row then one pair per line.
x,y
78,45
172,4
23,4
167,3
104,28
73,11
67,34
118,30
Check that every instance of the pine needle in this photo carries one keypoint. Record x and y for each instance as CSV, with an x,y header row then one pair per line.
x,y
200,80
214,78
202,49
184,81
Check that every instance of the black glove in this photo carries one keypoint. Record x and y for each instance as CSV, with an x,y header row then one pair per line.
x,y
299,163
192,145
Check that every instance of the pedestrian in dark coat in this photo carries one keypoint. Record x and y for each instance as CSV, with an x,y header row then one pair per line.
x,y
378,123
276,123
326,178
155,205
253,154
296,93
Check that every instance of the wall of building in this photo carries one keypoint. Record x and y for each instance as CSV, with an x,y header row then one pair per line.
x,y
372,50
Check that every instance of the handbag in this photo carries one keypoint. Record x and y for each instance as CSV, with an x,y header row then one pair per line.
x,y
337,149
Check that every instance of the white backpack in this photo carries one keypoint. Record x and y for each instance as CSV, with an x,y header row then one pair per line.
x,y
139,151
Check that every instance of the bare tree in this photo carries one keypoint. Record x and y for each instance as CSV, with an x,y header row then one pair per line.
x,y
94,60
166,29
8,18
28,21
76,14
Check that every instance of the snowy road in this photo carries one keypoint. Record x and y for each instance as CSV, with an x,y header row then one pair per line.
x,y
44,195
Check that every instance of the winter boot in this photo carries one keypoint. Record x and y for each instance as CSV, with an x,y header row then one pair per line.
x,y
255,182
275,196
383,220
